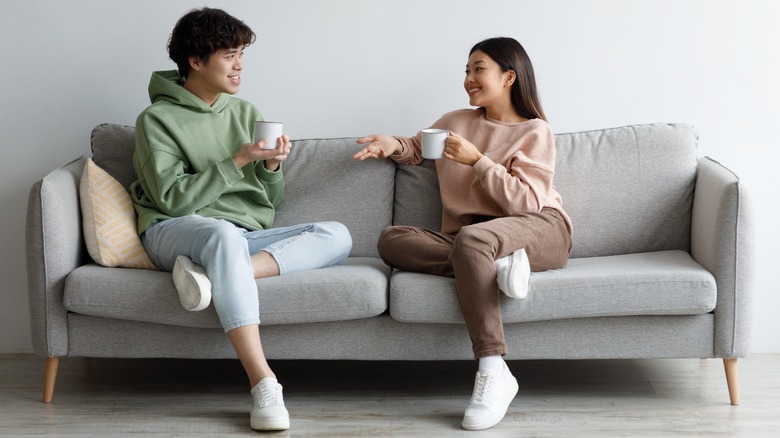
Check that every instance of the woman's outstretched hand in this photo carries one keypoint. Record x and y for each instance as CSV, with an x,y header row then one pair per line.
x,y
379,146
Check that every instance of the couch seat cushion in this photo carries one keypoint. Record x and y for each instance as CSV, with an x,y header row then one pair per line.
x,y
355,289
657,283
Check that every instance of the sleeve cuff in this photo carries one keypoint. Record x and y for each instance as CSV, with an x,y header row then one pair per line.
x,y
229,171
482,165
267,175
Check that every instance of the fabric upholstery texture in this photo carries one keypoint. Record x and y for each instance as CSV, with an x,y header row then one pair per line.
x,y
628,190
658,283
731,256
323,182
661,264
112,149
383,338
109,221
355,289
417,202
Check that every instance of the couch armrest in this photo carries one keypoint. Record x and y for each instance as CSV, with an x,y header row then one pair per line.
x,y
722,241
54,248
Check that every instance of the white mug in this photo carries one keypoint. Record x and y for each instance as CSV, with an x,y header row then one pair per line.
x,y
433,143
268,131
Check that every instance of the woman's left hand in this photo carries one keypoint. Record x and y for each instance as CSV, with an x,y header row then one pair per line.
x,y
461,150
283,147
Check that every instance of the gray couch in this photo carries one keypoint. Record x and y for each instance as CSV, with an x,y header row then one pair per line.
x,y
661,264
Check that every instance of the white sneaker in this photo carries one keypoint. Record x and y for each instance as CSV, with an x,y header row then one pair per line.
x,y
493,392
513,273
268,411
192,283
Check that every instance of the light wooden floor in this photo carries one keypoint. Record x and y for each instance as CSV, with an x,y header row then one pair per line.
x,y
132,397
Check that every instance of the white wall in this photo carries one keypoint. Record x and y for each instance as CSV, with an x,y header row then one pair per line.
x,y
353,67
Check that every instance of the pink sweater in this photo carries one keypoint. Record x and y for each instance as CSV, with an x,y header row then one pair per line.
x,y
514,176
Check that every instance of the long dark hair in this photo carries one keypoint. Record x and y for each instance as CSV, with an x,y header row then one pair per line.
x,y
510,55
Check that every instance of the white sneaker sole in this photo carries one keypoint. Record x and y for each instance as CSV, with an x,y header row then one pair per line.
x,y
270,424
519,275
192,283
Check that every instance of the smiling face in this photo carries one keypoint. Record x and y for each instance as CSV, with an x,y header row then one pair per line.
x,y
220,73
485,83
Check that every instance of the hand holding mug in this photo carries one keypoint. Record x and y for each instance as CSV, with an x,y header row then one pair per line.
x,y
258,151
461,150
283,147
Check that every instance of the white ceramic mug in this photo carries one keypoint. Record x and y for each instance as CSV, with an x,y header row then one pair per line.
x,y
268,131
433,143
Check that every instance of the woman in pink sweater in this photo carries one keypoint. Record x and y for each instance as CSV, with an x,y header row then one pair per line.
x,y
501,218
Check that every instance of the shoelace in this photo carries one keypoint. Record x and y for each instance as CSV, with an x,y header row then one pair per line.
x,y
480,387
270,395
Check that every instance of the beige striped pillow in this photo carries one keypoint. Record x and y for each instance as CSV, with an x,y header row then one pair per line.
x,y
109,221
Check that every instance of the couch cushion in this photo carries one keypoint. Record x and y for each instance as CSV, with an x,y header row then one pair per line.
x,y
109,221
417,201
324,183
657,283
112,149
355,289
627,190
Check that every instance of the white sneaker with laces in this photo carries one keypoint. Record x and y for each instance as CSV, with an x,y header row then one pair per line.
x,y
268,411
192,283
513,273
493,392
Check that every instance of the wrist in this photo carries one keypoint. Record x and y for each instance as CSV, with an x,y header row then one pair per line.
x,y
399,146
240,161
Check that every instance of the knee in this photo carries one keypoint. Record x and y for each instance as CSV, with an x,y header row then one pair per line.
x,y
388,240
341,239
222,234
471,244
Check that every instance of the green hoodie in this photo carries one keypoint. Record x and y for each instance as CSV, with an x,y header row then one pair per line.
x,y
184,160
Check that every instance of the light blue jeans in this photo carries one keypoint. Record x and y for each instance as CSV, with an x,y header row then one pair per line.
x,y
224,251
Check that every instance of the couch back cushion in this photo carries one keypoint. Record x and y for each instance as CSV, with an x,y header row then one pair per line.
x,y
627,190
417,200
112,150
323,183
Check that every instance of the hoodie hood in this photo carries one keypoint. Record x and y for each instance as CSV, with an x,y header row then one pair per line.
x,y
167,86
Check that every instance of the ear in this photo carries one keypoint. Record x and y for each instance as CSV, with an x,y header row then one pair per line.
x,y
509,78
194,63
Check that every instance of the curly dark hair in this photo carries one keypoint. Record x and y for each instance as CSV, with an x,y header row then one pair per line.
x,y
202,32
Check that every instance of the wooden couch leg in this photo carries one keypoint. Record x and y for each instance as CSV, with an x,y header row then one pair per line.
x,y
50,376
732,379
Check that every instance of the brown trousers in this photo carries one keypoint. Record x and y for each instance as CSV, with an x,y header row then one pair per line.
x,y
469,257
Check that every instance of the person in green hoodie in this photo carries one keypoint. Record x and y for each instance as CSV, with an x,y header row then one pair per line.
x,y
206,195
